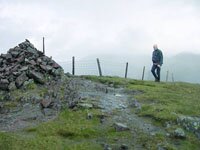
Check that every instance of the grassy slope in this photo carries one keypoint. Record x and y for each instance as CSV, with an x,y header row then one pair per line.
x,y
71,130
163,102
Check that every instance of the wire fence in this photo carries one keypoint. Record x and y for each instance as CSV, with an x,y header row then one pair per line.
x,y
112,68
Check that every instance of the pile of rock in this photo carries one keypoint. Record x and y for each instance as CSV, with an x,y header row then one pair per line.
x,y
23,63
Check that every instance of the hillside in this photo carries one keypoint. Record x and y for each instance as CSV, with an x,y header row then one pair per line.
x,y
106,113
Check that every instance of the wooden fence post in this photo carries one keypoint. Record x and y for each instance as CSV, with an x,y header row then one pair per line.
x,y
43,46
143,73
73,65
126,71
99,67
167,75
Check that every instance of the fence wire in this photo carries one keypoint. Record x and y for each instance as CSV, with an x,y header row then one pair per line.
x,y
110,68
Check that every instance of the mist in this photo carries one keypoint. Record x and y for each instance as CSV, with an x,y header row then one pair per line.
x,y
110,30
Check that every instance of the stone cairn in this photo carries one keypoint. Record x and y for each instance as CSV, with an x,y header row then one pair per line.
x,y
23,63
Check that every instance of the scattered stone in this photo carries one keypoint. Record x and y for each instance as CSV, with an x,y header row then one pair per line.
x,y
124,147
179,133
107,147
136,104
48,112
72,104
68,75
46,103
120,127
85,105
89,116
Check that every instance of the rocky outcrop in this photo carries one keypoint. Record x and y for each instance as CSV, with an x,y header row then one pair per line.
x,y
191,124
25,62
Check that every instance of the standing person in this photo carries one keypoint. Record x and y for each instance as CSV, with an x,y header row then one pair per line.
x,y
157,58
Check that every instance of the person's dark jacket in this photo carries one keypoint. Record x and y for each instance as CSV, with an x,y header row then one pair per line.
x,y
157,57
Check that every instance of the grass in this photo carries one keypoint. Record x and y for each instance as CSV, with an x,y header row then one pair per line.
x,y
162,102
71,130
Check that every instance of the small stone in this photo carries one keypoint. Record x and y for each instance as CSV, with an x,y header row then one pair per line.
x,y
124,147
4,84
12,86
46,103
85,105
120,127
89,116
20,80
179,133
48,112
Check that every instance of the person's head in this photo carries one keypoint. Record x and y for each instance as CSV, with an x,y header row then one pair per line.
x,y
155,46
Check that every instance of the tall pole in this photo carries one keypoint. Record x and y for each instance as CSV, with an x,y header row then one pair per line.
x,y
99,67
143,73
43,46
73,65
126,71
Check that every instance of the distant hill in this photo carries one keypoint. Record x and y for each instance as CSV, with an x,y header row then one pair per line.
x,y
184,66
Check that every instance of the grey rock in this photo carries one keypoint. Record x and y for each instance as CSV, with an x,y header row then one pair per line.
x,y
20,80
46,68
32,62
25,61
36,76
55,65
12,86
85,105
39,61
46,103
120,127
136,104
191,124
24,68
8,57
31,50
123,147
16,73
14,53
4,84
179,133
89,116
107,147
57,72
48,112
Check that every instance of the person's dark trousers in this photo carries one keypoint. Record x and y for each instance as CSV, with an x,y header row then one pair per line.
x,y
156,72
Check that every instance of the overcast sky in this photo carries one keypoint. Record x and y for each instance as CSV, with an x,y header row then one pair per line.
x,y
92,27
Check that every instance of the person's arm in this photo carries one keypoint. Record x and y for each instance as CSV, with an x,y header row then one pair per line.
x,y
161,58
